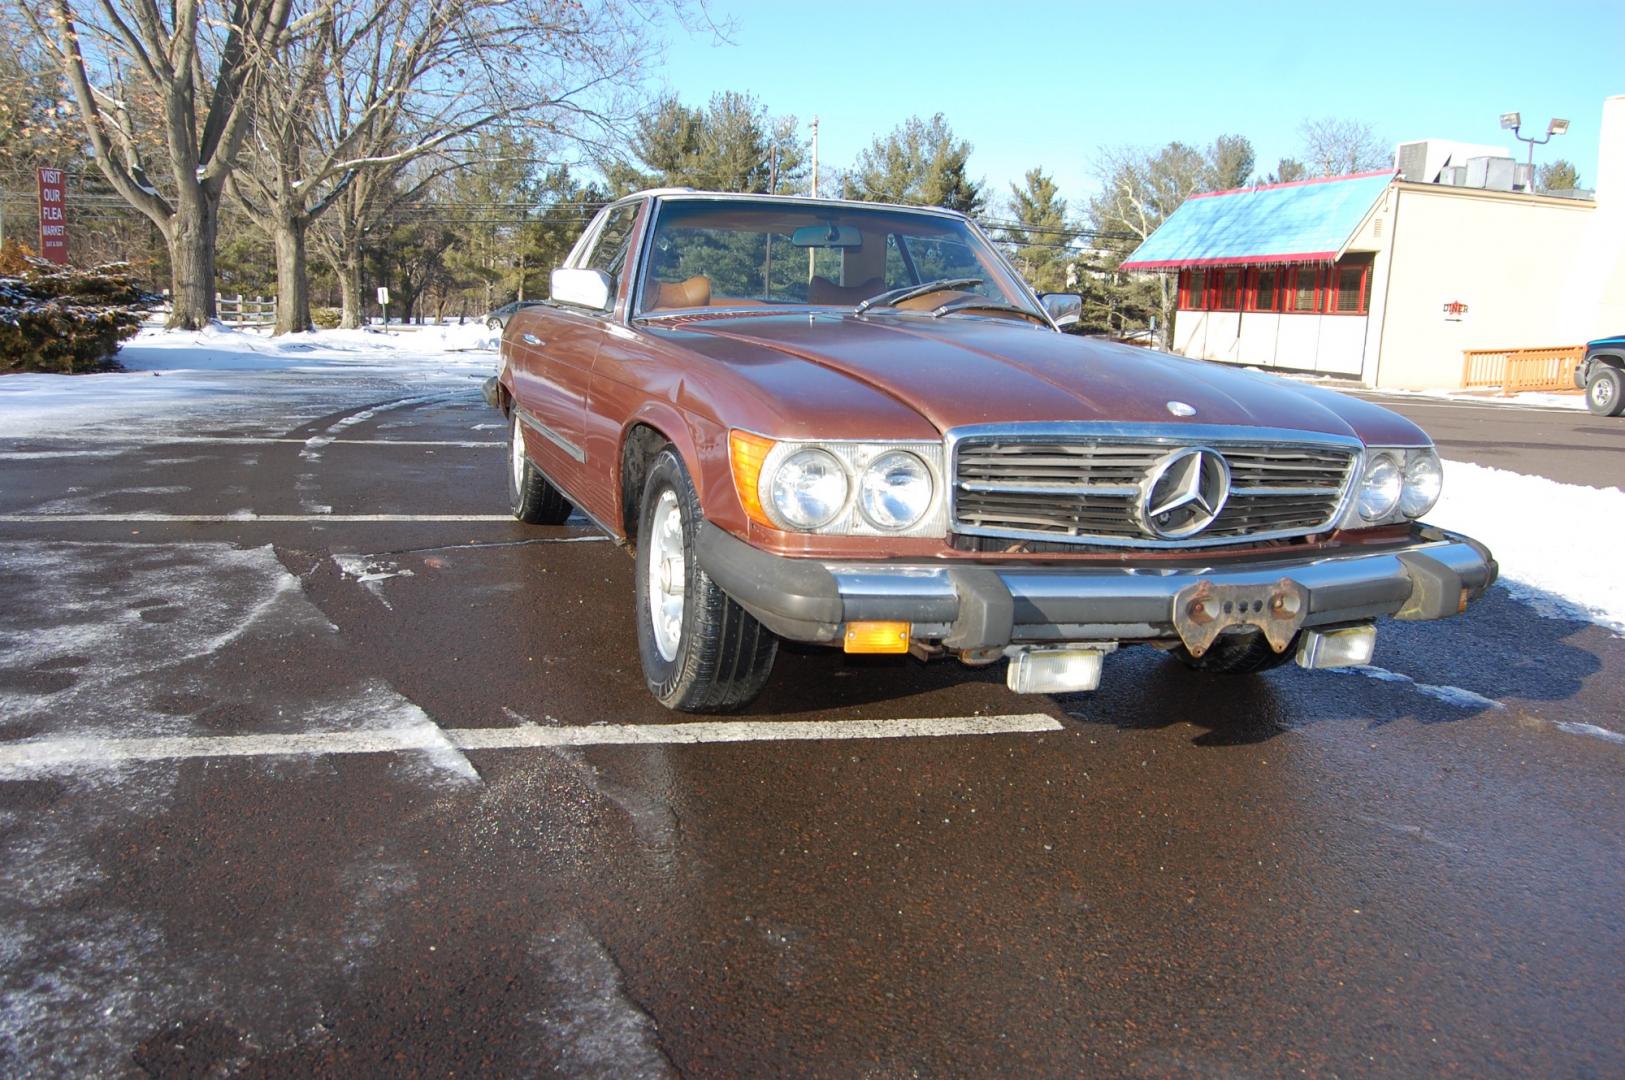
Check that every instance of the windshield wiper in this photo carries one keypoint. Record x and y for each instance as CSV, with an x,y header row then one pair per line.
x,y
986,305
896,296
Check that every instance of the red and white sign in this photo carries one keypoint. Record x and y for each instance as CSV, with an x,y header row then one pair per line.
x,y
53,215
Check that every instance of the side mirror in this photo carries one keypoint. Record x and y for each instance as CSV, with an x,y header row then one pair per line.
x,y
584,288
1066,308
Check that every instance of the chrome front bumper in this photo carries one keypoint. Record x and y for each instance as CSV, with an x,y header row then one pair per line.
x,y
982,606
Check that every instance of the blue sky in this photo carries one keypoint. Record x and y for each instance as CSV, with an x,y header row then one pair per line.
x,y
1048,83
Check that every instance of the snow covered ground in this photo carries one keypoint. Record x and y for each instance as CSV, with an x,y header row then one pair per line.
x,y
176,381
1543,532
1573,402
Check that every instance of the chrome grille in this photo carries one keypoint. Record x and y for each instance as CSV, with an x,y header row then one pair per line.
x,y
1086,490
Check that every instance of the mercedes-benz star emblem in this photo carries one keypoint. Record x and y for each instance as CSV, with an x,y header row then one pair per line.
x,y
1179,408
1184,492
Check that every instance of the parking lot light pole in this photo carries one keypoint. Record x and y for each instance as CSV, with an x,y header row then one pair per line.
x,y
1514,120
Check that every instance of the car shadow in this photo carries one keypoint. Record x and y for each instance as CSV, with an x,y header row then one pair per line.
x,y
1429,673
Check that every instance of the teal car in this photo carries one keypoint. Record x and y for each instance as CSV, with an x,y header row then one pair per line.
x,y
1602,375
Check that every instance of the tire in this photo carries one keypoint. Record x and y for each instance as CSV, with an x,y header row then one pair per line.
x,y
701,652
530,496
493,324
1239,654
1605,391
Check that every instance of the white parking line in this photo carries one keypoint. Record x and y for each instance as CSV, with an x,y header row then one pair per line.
x,y
46,754
209,519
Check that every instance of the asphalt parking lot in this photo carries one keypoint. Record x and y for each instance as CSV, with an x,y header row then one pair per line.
x,y
333,769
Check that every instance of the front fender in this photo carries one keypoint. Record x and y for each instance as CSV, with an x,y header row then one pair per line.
x,y
703,446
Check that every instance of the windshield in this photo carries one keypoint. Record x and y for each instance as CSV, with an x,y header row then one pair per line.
x,y
738,253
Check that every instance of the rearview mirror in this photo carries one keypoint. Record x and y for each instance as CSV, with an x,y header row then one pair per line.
x,y
584,288
1066,308
827,236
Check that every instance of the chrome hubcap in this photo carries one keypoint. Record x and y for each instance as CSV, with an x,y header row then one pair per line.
x,y
668,574
1602,392
516,454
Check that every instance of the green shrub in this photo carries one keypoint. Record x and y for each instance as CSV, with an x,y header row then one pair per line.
x,y
63,319
326,318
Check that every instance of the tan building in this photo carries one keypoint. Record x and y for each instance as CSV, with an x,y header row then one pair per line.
x,y
1388,280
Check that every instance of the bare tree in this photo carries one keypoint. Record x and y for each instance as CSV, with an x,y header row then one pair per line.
x,y
1334,147
381,84
162,92
1139,188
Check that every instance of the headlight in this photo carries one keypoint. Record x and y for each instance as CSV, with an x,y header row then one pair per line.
x,y
1424,479
895,491
843,487
1380,490
809,489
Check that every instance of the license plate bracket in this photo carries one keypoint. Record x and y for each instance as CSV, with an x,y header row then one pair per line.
x,y
1204,610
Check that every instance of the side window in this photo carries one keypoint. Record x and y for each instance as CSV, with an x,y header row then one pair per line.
x,y
609,253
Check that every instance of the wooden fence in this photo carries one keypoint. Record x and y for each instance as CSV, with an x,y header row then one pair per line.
x,y
1517,370
242,311
236,310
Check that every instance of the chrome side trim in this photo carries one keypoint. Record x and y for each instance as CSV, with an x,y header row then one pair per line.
x,y
1170,435
550,435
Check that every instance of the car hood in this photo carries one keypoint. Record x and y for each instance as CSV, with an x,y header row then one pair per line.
x,y
959,371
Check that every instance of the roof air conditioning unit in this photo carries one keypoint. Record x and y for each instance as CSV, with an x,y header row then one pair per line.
x,y
1424,161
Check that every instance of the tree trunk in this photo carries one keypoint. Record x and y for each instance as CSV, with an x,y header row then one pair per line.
x,y
292,277
191,260
350,299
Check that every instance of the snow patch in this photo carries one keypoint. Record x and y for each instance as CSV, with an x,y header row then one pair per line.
x,y
369,571
1574,727
1450,695
1544,534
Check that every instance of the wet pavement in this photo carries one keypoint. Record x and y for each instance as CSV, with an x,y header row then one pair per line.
x,y
1412,869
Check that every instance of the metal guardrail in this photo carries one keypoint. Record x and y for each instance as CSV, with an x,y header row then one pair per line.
x,y
1514,371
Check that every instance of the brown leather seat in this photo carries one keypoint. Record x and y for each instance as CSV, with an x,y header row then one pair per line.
x,y
695,292
821,290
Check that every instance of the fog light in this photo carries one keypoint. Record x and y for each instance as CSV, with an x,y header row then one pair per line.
x,y
876,637
1350,646
1054,671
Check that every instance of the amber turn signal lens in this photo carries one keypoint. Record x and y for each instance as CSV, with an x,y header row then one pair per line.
x,y
876,637
748,453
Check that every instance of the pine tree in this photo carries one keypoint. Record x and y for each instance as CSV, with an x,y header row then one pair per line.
x,y
919,163
1041,237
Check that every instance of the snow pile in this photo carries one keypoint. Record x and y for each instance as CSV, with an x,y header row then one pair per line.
x,y
1553,540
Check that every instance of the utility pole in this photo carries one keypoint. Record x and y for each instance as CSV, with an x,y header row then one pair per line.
x,y
811,252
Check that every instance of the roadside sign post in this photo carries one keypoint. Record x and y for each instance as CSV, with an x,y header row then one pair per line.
x,y
383,302
53,218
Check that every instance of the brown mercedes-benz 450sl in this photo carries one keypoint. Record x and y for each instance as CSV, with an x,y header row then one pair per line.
x,y
854,424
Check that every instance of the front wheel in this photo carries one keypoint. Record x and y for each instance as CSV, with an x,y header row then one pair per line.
x,y
493,324
1605,391
701,652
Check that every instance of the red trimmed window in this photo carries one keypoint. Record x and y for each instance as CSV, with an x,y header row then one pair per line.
x,y
1348,292
1303,289
1229,289
1193,290
1265,292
